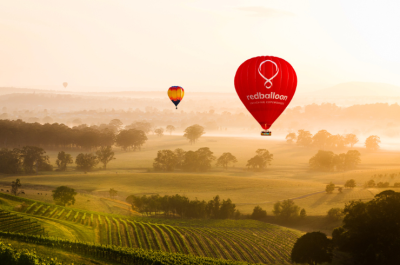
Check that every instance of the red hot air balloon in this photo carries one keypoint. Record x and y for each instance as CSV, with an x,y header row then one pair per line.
x,y
175,94
265,85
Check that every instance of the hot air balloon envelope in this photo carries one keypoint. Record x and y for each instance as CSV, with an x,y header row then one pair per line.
x,y
65,84
175,94
265,85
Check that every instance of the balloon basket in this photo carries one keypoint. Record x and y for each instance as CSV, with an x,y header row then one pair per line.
x,y
266,133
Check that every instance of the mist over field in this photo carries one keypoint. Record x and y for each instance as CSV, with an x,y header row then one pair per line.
x,y
199,132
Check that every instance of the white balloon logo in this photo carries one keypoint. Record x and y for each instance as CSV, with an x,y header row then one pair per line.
x,y
268,82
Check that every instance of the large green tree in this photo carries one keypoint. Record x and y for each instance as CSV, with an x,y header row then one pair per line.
x,y
312,248
258,213
63,159
193,133
323,160
64,195
371,230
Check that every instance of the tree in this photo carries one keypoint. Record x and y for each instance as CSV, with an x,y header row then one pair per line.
x,y
205,158
63,160
323,160
258,213
371,230
291,137
193,133
113,193
372,143
10,161
303,214
320,139
312,248
15,186
227,209
31,156
304,138
261,160
352,159
371,183
116,124
225,159
286,210
166,160
170,129
350,139
140,126
105,155
86,161
336,141
131,138
159,132
330,188
335,214
351,183
64,195
180,157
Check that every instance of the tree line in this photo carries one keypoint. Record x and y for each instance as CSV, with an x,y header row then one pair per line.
x,y
32,159
18,133
177,205
329,161
202,159
369,235
323,139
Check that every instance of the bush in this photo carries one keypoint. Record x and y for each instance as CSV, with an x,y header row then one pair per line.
x,y
351,183
335,214
258,213
330,188
382,184
397,184
303,213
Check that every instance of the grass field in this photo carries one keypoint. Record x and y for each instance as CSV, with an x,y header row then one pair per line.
x,y
288,177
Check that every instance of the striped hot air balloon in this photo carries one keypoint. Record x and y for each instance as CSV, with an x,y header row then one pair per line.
x,y
175,94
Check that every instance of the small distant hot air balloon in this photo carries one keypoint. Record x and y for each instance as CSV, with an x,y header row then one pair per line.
x,y
65,84
265,85
175,94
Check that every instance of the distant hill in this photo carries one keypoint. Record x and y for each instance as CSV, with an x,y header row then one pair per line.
x,y
355,89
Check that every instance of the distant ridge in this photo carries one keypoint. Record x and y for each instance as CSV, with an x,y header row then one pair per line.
x,y
355,89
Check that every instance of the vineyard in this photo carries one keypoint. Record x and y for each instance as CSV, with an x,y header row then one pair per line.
x,y
266,244
11,222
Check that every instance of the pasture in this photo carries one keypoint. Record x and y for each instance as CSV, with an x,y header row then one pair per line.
x,y
288,176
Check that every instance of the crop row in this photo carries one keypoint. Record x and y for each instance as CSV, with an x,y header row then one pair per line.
x,y
251,244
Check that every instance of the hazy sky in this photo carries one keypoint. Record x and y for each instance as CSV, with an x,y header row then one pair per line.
x,y
151,45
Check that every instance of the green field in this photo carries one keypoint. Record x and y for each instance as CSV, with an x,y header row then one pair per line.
x,y
95,218
287,178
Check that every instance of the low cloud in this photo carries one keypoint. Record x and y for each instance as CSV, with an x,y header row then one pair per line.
x,y
259,11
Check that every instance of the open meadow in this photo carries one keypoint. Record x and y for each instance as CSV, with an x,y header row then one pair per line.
x,y
288,176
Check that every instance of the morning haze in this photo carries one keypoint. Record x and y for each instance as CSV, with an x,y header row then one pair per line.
x,y
95,156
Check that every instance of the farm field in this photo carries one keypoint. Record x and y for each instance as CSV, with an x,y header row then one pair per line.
x,y
288,177
246,240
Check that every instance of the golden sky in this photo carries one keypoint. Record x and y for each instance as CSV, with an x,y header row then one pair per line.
x,y
151,45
